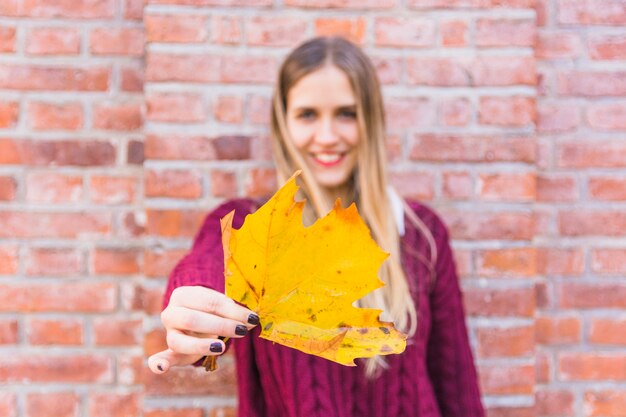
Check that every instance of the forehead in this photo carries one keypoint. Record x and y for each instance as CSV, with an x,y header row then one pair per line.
x,y
328,86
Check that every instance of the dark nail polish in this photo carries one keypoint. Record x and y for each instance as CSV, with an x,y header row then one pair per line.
x,y
241,330
160,367
253,319
216,347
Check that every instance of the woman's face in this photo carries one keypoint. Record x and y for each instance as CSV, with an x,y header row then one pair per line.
x,y
322,122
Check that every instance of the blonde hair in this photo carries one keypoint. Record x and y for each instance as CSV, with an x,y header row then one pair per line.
x,y
370,179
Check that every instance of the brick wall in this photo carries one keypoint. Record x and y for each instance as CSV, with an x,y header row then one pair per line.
x,y
121,124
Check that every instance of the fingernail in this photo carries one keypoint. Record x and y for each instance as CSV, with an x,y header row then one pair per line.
x,y
160,367
253,319
241,330
215,347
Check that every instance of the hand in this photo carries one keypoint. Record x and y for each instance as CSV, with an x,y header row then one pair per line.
x,y
193,320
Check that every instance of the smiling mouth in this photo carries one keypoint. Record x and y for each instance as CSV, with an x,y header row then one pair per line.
x,y
328,159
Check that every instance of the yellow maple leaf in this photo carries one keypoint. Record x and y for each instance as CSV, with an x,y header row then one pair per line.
x,y
303,281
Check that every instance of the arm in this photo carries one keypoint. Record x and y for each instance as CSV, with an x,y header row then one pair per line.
x,y
449,356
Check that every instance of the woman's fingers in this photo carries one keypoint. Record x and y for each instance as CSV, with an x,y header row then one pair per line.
x,y
185,344
189,320
161,362
213,302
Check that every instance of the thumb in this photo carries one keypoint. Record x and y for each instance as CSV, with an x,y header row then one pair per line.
x,y
161,362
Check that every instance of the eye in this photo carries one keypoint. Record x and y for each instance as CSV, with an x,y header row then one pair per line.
x,y
347,114
306,114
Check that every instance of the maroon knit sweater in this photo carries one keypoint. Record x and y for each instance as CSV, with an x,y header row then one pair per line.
x,y
435,376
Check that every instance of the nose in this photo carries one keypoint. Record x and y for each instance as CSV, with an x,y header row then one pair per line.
x,y
326,134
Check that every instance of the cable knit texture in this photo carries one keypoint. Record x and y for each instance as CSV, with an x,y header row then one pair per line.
x,y
434,377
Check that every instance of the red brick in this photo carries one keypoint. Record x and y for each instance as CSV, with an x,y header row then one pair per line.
x,y
558,117
52,404
349,28
248,69
135,152
500,263
592,223
224,184
229,109
54,262
418,185
25,77
56,225
542,11
497,342
513,302
226,29
154,341
606,403
505,32
129,369
343,4
591,83
555,330
8,188
180,147
560,262
53,41
276,31
47,368
543,367
131,78
110,331
439,72
112,190
609,261
469,4
117,41
175,107
116,261
223,412
174,223
133,9
510,411
455,112
406,113
554,403
596,366
454,33
55,332
402,32
389,69
456,148
173,183
9,8
587,154
260,182
556,188
160,262
176,28
8,260
507,111
74,9
591,12
485,225
464,262
55,116
138,298
507,187
558,45
607,188
188,381
48,187
9,113
75,297
609,47
607,116
457,185
124,116
7,37
506,379
8,336
258,110
109,404
174,412
587,295
608,331
503,71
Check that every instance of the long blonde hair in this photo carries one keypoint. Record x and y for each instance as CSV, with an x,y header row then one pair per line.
x,y
369,180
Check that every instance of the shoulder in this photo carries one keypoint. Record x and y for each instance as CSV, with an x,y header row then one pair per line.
x,y
430,218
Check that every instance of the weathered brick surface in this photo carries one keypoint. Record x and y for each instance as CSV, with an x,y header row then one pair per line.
x,y
123,121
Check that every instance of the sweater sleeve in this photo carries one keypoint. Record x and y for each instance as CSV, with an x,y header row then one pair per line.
x,y
449,356
204,264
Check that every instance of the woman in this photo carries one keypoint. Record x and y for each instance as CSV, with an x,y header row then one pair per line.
x,y
327,120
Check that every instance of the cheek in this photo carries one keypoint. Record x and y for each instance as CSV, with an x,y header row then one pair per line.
x,y
299,133
350,133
